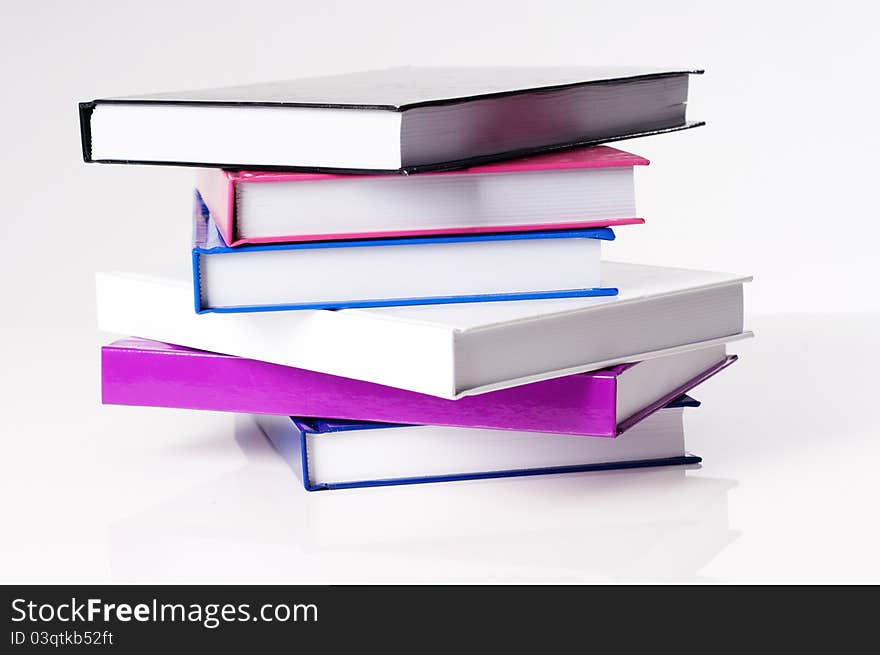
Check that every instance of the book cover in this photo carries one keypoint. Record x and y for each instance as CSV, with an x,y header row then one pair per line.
x,y
154,374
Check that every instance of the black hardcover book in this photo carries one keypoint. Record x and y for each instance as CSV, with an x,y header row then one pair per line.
x,y
399,120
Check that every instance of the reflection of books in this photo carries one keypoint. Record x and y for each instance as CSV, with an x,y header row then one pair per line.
x,y
644,525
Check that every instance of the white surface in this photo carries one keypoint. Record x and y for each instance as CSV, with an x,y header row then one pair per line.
x,y
430,450
341,205
787,490
775,183
278,136
424,270
450,350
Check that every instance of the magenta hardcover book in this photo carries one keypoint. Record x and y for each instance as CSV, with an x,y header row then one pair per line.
x,y
153,374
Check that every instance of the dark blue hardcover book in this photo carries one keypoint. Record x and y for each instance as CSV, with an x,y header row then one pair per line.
x,y
337,454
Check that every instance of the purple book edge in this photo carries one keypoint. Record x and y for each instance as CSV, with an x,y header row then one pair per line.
x,y
153,374
642,414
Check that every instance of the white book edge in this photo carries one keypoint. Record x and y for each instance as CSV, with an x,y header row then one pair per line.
x,y
593,366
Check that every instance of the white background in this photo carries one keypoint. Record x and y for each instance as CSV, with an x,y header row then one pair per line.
x,y
781,184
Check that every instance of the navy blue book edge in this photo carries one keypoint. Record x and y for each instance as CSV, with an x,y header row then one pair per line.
x,y
207,241
317,426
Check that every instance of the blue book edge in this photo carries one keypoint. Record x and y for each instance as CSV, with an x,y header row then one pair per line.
x,y
307,426
208,241
687,459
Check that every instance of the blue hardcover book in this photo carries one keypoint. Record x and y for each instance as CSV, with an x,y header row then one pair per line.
x,y
393,271
336,454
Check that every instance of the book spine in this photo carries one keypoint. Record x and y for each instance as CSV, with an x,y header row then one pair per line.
x,y
85,129
216,189
198,305
173,377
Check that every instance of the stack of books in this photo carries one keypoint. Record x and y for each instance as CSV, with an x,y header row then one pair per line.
x,y
398,272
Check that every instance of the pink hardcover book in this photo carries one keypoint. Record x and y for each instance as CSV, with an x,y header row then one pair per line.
x,y
584,187
602,403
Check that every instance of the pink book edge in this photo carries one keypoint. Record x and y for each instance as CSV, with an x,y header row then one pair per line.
x,y
217,188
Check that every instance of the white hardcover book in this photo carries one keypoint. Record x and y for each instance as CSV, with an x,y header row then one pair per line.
x,y
449,351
